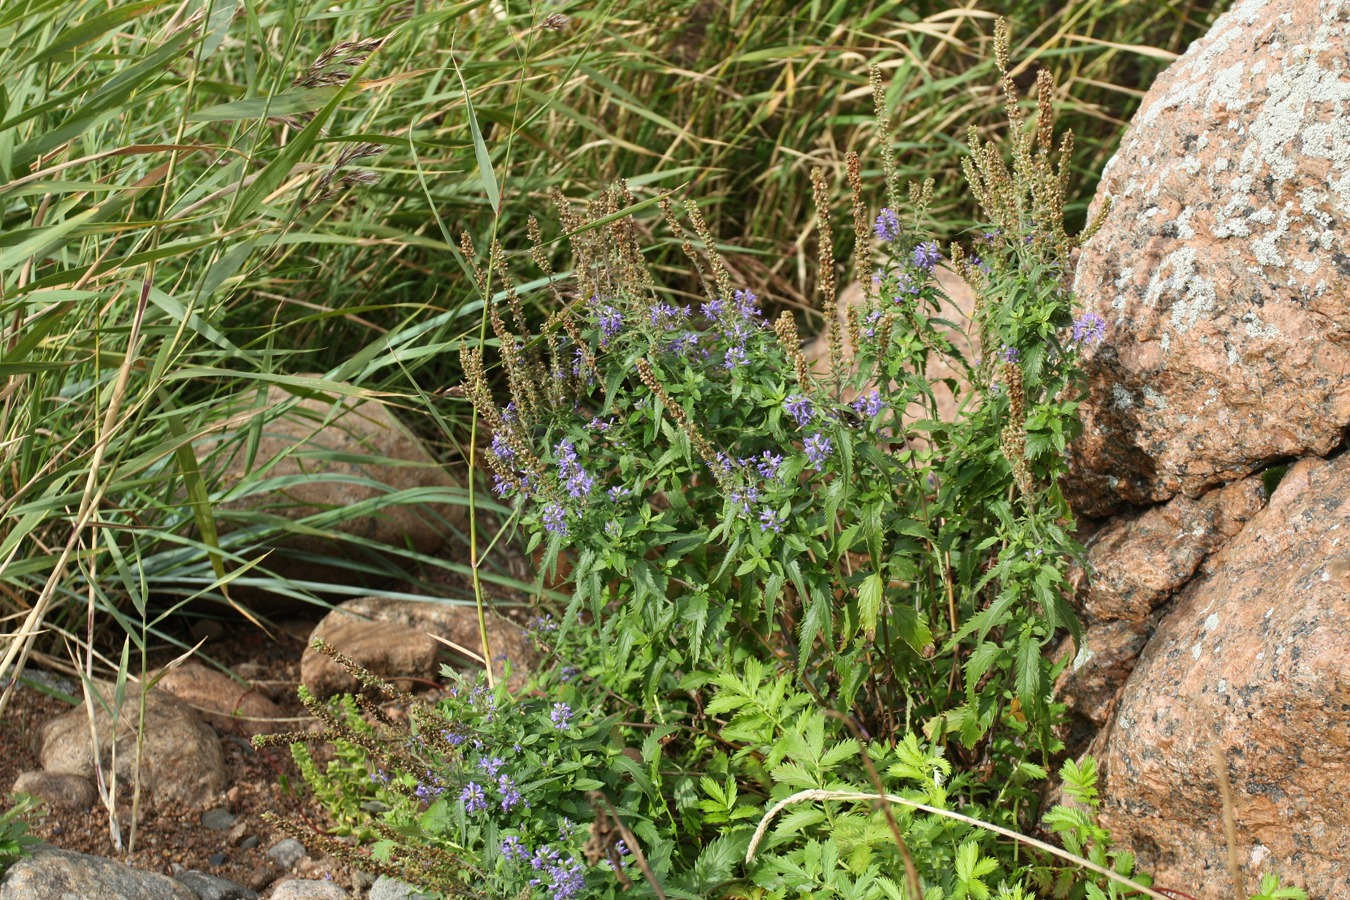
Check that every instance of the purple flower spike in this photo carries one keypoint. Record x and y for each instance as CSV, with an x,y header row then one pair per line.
x,y
561,716
474,798
555,518
887,225
769,520
611,323
818,449
1090,329
800,408
927,255
869,405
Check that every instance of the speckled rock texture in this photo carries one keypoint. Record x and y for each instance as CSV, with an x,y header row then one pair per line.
x,y
1224,266
390,637
1252,660
1139,561
181,761
52,874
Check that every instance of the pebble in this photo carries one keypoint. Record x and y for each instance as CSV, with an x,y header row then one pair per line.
x,y
287,853
218,859
212,887
306,889
386,888
263,874
219,819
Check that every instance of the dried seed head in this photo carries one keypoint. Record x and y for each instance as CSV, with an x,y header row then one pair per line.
x,y
820,194
720,275
687,247
791,341
721,467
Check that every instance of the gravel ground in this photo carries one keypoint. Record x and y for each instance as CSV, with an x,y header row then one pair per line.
x,y
168,839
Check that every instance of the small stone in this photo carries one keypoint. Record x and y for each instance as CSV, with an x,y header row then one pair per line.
x,y
237,832
287,852
57,789
263,874
218,819
386,888
213,887
249,842
308,889
218,859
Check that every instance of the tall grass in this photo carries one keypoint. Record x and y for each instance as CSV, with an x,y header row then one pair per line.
x,y
201,199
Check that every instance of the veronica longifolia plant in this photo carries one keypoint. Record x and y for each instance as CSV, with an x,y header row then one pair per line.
x,y
711,490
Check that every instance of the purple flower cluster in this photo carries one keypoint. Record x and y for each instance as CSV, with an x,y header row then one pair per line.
x,y
663,315
491,765
747,305
511,796
768,464
736,356
502,448
745,497
871,322
887,225
475,800
818,449
927,255
1089,329
713,309
906,283
769,520
575,479
1010,354
800,408
565,879
538,626
681,345
869,405
611,323
555,518
618,492
561,716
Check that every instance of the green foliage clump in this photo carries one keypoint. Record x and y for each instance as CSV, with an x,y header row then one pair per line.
x,y
772,557
14,837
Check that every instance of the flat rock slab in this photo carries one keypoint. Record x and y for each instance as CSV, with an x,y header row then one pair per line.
x,y
390,637
181,760
51,874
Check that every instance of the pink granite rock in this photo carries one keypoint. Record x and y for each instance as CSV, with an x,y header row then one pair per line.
x,y
1224,266
1139,561
1252,660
